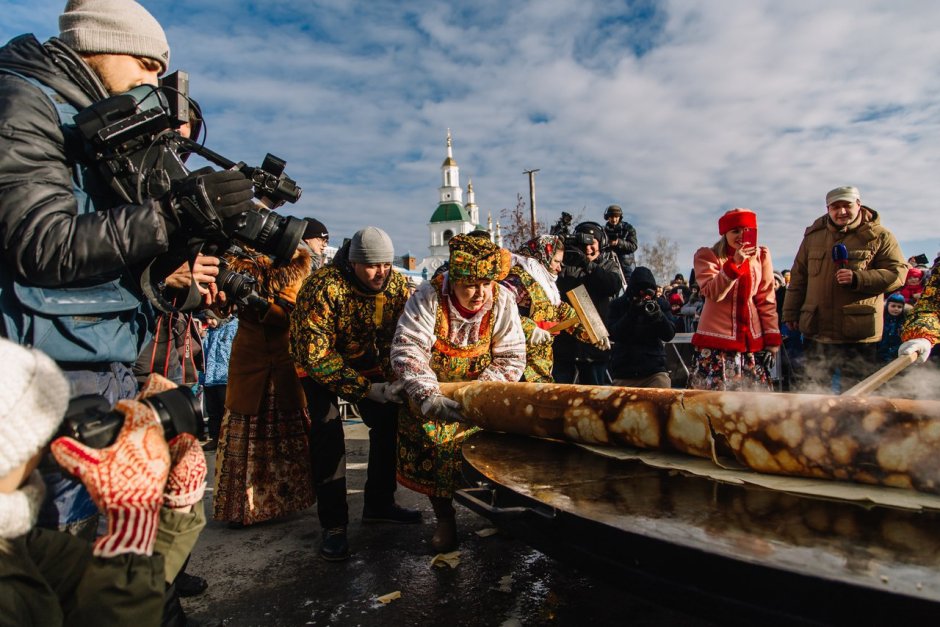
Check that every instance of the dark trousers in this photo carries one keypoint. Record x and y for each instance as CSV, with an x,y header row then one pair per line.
x,y
582,372
328,453
834,368
213,398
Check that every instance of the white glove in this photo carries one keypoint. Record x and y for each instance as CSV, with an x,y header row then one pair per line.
x,y
393,391
385,392
918,345
603,344
442,408
540,337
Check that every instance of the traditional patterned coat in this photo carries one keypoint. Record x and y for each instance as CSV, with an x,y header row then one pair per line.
x,y
341,336
434,343
924,320
536,310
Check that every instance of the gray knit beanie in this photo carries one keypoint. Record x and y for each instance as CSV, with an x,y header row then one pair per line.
x,y
113,27
371,245
33,399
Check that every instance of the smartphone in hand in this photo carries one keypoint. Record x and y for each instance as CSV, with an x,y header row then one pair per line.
x,y
749,237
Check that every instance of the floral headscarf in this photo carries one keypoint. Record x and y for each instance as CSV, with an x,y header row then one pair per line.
x,y
541,248
535,257
475,258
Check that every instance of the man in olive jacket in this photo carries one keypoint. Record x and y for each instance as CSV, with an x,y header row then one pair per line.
x,y
847,261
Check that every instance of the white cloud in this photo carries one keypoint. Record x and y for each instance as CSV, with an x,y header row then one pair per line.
x,y
760,104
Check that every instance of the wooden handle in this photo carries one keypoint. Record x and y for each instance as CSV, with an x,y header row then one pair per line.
x,y
565,324
871,383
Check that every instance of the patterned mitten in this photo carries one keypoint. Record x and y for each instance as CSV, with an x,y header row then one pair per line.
x,y
154,384
187,481
125,480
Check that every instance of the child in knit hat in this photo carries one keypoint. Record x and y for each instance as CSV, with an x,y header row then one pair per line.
x,y
53,578
894,321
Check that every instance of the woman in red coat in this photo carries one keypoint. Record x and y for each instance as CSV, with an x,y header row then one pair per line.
x,y
738,334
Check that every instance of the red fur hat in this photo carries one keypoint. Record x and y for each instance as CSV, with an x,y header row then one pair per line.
x,y
736,219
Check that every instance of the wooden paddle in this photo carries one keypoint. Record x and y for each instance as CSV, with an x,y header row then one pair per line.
x,y
874,381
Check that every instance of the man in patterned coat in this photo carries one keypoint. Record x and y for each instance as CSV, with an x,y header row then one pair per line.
x,y
341,333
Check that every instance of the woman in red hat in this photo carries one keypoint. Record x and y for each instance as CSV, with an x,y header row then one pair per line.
x,y
738,334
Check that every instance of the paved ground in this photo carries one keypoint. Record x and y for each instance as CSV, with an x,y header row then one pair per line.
x,y
270,574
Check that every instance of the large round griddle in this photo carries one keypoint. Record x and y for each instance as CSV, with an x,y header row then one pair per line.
x,y
728,552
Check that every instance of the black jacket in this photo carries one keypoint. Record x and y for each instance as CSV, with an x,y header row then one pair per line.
x,y
43,236
637,336
602,281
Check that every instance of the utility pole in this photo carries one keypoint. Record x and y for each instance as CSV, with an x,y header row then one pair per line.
x,y
531,174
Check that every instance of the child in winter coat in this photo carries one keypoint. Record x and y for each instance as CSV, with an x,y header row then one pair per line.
x,y
894,321
913,286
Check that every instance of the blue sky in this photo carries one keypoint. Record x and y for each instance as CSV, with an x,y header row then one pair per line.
x,y
677,111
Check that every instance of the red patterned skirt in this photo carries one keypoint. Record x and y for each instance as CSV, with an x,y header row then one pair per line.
x,y
262,465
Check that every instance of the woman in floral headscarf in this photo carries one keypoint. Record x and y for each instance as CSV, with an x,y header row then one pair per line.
x,y
532,280
460,326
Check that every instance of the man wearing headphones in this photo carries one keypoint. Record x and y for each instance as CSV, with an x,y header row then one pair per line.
x,y
621,238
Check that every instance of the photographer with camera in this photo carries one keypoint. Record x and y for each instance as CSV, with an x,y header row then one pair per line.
x,y
263,467
638,327
586,263
74,250
151,490
621,237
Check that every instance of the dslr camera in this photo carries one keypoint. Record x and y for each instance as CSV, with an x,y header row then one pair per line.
x,y
90,419
135,142
647,299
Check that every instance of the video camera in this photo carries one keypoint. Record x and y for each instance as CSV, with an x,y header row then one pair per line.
x,y
575,245
90,419
135,141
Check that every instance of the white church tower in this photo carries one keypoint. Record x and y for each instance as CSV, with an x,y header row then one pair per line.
x,y
472,210
451,217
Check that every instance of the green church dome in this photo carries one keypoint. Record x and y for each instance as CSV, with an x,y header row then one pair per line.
x,y
450,212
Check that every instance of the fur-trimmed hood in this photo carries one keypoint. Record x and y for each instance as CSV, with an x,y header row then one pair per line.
x,y
272,280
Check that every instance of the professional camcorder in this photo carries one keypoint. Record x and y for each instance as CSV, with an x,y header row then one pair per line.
x,y
90,419
575,245
134,140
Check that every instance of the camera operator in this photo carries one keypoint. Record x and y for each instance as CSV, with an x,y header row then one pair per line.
x,y
151,490
622,239
73,250
638,327
586,264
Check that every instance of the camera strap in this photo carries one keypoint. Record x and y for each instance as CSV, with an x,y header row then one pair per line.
x,y
163,266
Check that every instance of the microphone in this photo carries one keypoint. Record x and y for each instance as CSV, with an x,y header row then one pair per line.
x,y
840,255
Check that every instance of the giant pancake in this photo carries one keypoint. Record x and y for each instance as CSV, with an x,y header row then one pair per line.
x,y
874,440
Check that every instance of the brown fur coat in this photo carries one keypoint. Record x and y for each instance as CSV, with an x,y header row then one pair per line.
x,y
260,351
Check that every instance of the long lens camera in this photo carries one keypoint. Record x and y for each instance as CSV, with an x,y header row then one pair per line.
x,y
90,419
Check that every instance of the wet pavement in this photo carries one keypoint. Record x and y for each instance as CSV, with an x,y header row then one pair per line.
x,y
270,574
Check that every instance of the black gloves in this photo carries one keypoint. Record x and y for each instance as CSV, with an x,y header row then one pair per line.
x,y
205,199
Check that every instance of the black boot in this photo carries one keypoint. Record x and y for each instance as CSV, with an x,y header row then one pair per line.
x,y
445,534
335,547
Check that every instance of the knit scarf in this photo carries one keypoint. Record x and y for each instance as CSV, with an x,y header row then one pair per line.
x,y
19,509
